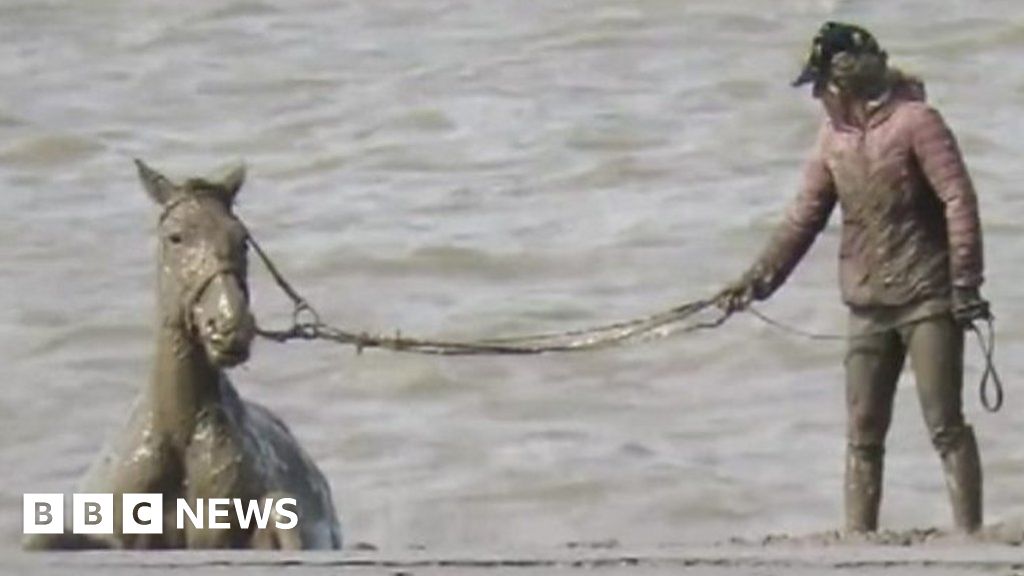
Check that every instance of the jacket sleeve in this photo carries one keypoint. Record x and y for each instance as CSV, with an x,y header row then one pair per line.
x,y
943,166
805,217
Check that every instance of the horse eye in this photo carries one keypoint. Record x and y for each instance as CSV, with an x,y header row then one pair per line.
x,y
175,238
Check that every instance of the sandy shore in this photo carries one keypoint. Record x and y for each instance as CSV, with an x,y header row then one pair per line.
x,y
798,557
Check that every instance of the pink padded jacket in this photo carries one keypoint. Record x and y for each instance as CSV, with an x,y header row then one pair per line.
x,y
910,228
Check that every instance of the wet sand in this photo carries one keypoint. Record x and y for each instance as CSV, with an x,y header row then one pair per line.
x,y
997,550
728,559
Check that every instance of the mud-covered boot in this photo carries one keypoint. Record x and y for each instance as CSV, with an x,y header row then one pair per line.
x,y
863,487
962,467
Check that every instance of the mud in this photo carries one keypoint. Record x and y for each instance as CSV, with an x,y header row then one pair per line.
x,y
189,434
728,558
1004,534
922,551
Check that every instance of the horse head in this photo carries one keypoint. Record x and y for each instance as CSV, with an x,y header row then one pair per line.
x,y
202,263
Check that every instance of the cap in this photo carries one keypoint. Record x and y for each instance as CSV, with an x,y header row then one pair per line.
x,y
834,38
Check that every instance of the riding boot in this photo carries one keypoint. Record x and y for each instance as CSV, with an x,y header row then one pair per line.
x,y
863,487
962,467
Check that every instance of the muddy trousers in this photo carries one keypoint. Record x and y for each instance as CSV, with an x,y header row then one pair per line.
x,y
874,361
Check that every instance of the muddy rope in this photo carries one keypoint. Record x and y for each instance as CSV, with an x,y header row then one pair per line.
x,y
307,325
990,388
991,401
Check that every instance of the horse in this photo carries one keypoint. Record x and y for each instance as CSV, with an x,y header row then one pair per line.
x,y
189,434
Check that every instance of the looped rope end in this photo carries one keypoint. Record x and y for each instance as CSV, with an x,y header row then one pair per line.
x,y
990,388
991,401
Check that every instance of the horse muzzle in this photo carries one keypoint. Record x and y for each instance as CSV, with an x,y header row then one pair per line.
x,y
223,321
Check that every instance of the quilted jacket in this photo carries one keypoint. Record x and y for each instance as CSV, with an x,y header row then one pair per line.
x,y
910,227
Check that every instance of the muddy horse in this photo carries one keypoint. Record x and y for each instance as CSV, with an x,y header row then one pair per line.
x,y
189,434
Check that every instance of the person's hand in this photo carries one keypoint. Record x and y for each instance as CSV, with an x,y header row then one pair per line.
x,y
968,306
736,297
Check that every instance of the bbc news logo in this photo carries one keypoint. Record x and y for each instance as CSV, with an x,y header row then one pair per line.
x,y
144,513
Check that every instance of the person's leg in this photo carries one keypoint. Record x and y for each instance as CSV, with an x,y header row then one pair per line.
x,y
873,365
937,351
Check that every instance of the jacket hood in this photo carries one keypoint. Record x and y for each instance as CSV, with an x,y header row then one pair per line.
x,y
905,87
901,88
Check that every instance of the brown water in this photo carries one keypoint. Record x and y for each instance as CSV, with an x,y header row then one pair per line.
x,y
457,168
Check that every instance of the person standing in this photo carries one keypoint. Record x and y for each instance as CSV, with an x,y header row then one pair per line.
x,y
910,260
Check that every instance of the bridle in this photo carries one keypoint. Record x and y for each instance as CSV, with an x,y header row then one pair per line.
x,y
222,269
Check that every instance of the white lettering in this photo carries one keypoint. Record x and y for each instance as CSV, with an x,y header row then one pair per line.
x,y
256,510
144,513
92,513
43,513
292,515
183,509
218,508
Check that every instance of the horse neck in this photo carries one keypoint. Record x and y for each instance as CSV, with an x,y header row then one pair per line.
x,y
183,382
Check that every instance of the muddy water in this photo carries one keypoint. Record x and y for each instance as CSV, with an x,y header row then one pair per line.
x,y
461,168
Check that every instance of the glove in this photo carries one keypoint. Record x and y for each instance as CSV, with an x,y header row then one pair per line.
x,y
737,296
968,306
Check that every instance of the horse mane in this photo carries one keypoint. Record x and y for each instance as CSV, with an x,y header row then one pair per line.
x,y
203,188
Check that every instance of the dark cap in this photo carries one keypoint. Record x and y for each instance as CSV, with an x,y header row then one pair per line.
x,y
834,38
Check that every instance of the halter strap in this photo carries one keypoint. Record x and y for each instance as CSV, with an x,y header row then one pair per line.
x,y
170,206
225,269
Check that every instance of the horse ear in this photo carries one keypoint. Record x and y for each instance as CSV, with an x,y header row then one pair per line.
x,y
232,181
156,184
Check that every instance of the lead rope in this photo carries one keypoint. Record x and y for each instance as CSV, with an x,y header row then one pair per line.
x,y
657,325
990,388
793,330
307,325
991,402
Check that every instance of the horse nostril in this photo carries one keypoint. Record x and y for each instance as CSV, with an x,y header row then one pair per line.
x,y
220,330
